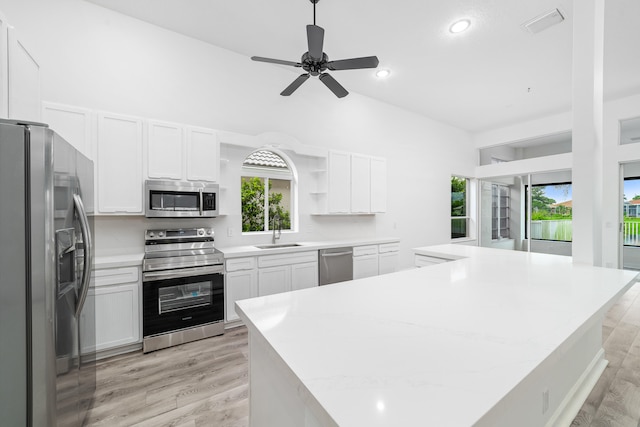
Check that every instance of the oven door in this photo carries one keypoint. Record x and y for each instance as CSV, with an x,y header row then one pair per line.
x,y
181,298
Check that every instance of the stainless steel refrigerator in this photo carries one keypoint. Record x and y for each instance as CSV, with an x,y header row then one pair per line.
x,y
47,332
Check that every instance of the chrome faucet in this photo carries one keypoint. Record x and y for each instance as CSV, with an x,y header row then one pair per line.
x,y
276,218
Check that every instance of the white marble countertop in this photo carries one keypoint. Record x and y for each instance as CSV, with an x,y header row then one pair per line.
x,y
247,250
114,261
433,346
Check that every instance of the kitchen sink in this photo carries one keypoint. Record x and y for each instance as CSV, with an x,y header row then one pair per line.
x,y
278,245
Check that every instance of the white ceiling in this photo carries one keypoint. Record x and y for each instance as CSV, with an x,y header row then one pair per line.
x,y
494,74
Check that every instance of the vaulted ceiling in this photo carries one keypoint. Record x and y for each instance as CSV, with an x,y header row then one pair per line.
x,y
494,74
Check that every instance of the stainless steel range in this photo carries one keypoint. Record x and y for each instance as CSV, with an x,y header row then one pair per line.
x,y
182,287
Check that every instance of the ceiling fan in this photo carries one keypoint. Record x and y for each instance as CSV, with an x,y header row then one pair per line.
x,y
315,62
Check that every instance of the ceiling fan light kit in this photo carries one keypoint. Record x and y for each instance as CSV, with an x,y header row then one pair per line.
x,y
315,62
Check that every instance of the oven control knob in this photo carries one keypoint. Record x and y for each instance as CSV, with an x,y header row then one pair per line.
x,y
208,232
151,234
201,232
160,234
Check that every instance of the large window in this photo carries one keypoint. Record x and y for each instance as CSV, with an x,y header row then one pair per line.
x,y
551,212
500,198
459,207
266,192
631,211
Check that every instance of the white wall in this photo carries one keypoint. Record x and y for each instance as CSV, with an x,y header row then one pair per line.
x,y
614,155
95,58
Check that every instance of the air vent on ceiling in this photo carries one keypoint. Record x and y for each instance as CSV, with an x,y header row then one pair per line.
x,y
544,21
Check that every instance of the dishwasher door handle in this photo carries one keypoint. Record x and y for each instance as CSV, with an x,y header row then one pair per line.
x,y
337,254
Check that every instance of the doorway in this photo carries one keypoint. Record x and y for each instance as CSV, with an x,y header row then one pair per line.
x,y
630,213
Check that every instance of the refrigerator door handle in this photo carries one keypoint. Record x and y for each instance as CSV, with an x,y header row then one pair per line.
x,y
88,252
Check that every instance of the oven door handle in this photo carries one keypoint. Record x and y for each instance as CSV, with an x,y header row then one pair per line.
x,y
181,272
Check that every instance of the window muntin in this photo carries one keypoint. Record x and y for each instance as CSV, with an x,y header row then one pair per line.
x,y
500,203
551,212
266,190
459,207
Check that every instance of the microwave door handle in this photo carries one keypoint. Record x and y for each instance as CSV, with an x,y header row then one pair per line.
x,y
88,252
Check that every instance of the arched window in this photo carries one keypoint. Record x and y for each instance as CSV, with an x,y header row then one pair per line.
x,y
267,192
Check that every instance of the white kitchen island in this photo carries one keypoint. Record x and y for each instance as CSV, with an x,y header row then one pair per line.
x,y
494,338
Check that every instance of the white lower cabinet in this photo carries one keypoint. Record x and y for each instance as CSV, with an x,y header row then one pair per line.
x,y
304,275
274,280
239,285
388,262
116,298
287,272
251,277
373,260
388,257
365,261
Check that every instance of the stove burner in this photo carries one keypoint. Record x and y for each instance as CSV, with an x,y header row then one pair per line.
x,y
180,248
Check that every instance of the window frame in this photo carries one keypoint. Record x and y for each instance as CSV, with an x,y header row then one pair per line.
x,y
266,173
529,209
467,211
626,213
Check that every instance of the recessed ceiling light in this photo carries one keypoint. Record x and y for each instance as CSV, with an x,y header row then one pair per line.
x,y
383,73
459,26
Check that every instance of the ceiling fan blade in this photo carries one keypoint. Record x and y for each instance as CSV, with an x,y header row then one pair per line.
x,y
276,61
353,63
295,85
333,85
315,39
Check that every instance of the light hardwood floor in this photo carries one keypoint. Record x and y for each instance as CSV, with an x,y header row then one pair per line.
x,y
205,383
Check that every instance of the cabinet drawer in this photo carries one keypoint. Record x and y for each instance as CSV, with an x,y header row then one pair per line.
x,y
287,259
115,276
365,250
389,247
236,264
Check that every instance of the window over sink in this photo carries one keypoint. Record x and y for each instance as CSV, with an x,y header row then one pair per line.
x,y
268,186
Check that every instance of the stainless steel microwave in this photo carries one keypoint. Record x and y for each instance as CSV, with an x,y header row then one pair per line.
x,y
180,199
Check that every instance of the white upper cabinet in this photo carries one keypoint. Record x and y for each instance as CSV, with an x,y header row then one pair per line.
x,y
357,184
339,182
360,184
119,164
72,123
203,155
23,81
165,150
182,152
378,185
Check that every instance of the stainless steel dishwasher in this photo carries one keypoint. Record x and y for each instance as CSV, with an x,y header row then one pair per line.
x,y
336,265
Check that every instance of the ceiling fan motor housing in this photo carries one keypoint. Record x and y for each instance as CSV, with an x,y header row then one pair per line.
x,y
313,66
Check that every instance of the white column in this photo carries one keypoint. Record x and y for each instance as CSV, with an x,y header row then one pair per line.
x,y
588,57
